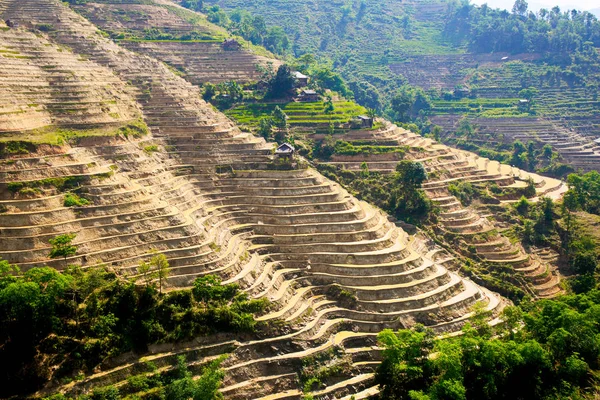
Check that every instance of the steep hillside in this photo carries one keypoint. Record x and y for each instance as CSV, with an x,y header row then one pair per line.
x,y
362,38
212,199
183,39
46,85
379,46
539,277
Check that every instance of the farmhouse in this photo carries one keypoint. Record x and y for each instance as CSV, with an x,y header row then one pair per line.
x,y
301,79
309,96
285,150
365,121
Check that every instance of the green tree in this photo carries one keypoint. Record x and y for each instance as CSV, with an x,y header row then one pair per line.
x,y
331,128
364,170
519,155
401,105
520,7
280,120
195,5
144,269
407,199
326,78
265,128
210,91
410,174
62,246
282,83
205,387
276,40
529,94
329,108
406,362
209,288
234,90
522,206
161,269
8,273
305,61
465,128
585,262
437,133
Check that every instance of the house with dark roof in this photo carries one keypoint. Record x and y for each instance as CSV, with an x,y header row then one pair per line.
x,y
365,121
309,96
301,79
285,150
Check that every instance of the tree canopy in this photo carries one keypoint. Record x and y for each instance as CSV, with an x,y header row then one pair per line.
x,y
48,316
545,350
282,83
546,31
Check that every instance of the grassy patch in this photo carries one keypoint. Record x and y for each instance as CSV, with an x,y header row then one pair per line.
x,y
53,135
298,113
61,184
152,148
74,200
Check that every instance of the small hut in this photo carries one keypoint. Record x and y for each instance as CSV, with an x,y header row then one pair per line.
x,y
365,121
309,96
231,45
301,79
286,150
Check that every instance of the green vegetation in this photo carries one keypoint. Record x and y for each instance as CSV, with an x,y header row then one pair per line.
x,y
175,383
317,369
74,200
300,114
282,83
151,148
83,317
548,31
408,103
60,184
544,350
11,148
252,28
62,246
399,193
584,192
359,38
24,143
358,148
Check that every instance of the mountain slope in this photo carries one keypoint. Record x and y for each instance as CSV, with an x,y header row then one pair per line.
x,y
213,200
379,46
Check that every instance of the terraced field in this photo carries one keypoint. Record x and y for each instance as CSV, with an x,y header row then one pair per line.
x,y
213,200
310,115
45,84
194,48
446,165
566,114
580,151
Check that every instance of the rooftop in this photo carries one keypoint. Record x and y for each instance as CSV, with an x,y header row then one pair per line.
x,y
300,75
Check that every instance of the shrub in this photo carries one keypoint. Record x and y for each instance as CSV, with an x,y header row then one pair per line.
x,y
152,148
73,200
45,27
463,191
